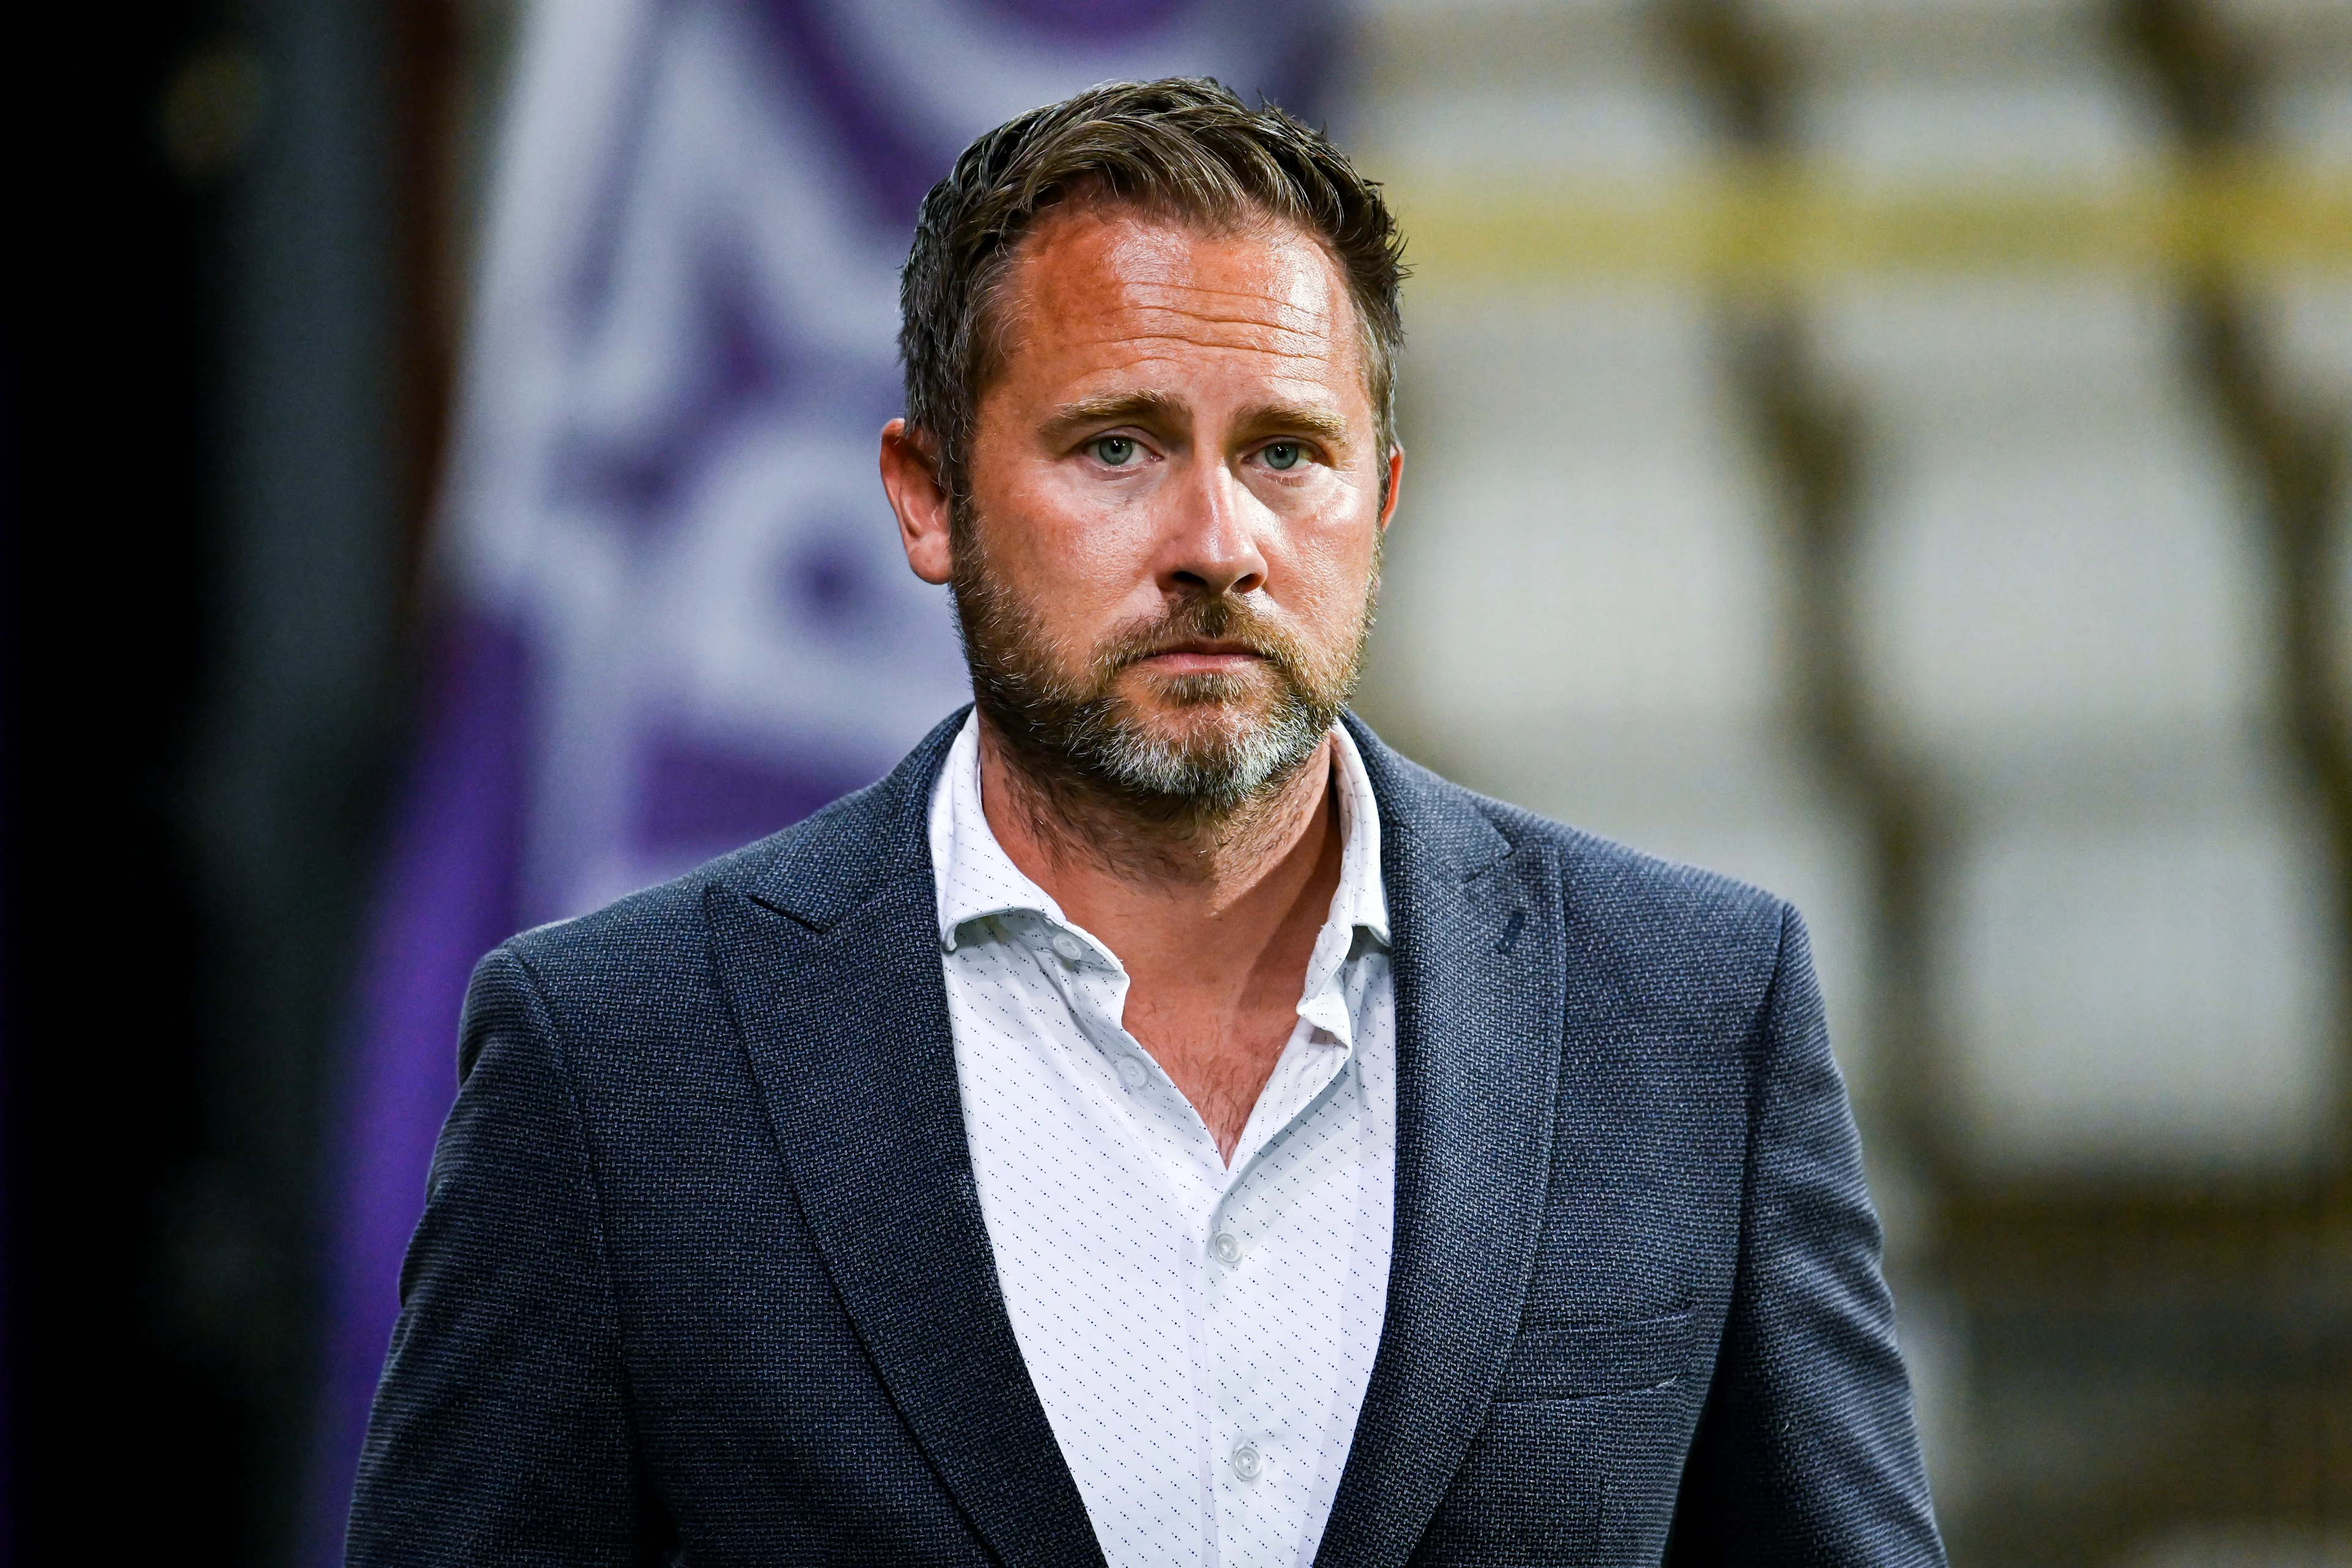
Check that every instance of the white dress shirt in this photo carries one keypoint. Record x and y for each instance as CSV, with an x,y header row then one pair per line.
x,y
1199,1334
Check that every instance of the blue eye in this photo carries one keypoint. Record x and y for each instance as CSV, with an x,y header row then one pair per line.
x,y
1114,452
1282,455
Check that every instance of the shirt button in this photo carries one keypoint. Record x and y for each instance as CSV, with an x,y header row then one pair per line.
x,y
1246,1463
1227,1247
1067,946
1131,1072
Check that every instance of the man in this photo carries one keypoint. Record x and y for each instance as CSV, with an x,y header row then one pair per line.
x,y
1157,1124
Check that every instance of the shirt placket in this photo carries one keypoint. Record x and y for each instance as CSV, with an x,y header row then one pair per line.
x,y
1193,1176
1259,1450
1223,1220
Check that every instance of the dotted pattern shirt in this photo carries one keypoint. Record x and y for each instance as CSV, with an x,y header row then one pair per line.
x,y
1199,1335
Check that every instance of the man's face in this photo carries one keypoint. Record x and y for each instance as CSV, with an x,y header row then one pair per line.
x,y
1166,566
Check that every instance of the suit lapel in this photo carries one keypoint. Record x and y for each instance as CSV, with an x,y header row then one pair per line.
x,y
828,949
831,959
1478,962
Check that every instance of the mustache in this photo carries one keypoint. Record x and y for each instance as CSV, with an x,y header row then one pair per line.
x,y
1204,617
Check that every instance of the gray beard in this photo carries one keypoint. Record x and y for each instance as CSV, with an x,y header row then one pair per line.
x,y
1103,743
1082,733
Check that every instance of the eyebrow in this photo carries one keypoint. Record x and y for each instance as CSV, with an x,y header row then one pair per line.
x,y
1319,423
1117,408
1163,408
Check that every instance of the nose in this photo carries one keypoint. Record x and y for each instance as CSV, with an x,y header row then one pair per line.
x,y
1212,549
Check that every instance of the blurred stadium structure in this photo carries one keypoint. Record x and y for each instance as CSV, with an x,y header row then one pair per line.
x,y
1898,451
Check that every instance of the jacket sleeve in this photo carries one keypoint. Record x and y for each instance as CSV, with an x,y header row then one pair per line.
x,y
500,1432
1806,1453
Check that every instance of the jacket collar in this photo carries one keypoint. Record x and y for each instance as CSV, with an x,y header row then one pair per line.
x,y
826,941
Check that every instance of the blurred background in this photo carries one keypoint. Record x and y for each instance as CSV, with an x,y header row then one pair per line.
x,y
1894,451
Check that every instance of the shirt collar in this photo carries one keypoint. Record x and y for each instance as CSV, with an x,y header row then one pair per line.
x,y
976,878
1362,902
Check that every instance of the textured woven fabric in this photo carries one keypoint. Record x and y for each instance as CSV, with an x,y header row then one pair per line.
x,y
703,1275
1199,1334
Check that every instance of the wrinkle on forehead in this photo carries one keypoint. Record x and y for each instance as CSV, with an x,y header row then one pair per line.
x,y
1311,349
1135,280
1139,318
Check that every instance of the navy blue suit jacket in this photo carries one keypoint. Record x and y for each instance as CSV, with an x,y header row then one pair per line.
x,y
703,1278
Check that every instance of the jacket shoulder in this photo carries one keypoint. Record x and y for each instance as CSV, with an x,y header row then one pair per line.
x,y
1663,927
1615,877
826,861
646,928
1637,885
1672,939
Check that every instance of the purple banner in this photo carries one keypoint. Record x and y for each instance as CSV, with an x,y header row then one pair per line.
x,y
679,615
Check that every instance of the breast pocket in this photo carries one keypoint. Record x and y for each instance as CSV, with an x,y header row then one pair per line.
x,y
1582,1361
1581,1451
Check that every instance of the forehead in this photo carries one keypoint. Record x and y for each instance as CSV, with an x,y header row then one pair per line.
x,y
1104,293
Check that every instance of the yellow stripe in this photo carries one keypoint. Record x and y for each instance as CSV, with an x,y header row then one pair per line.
x,y
1772,223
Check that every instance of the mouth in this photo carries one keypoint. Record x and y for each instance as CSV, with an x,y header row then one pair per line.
x,y
1201,655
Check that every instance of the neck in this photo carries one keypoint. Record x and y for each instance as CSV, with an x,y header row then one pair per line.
x,y
1109,862
1214,920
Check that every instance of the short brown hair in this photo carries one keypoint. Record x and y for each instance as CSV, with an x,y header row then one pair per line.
x,y
1182,145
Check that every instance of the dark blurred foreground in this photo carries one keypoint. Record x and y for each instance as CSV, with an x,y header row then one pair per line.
x,y
228,346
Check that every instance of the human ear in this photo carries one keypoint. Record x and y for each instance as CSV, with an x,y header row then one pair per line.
x,y
1394,485
911,477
